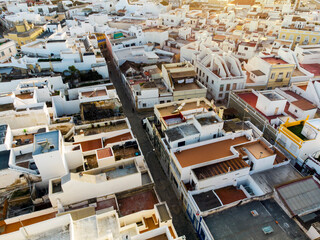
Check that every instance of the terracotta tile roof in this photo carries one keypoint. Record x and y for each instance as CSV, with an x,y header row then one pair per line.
x,y
104,153
304,104
90,145
230,194
208,152
119,138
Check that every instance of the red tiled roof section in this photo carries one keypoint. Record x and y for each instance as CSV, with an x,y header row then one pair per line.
x,y
90,145
273,60
230,194
301,102
213,151
104,153
119,138
252,99
313,68
304,104
137,202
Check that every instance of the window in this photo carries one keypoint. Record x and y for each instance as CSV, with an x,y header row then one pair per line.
x,y
172,20
144,105
280,76
234,86
138,93
314,39
273,75
220,95
288,75
207,79
295,110
245,48
283,36
228,87
221,88
298,39
161,102
169,101
2,54
180,144
10,50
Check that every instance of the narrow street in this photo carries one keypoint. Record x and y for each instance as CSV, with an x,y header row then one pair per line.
x,y
163,186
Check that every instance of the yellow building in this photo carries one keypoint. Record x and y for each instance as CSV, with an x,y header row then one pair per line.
x,y
299,138
101,38
24,33
300,36
280,72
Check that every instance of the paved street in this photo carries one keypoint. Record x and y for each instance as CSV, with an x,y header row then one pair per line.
x,y
163,185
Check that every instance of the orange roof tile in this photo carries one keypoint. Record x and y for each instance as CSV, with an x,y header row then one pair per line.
x,y
104,153
208,152
90,145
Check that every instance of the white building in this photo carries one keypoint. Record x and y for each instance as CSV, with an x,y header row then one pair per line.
x,y
7,50
220,72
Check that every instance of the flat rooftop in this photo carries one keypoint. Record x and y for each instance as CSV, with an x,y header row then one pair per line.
x,y
209,120
232,126
271,178
136,202
46,142
230,194
274,61
167,111
95,93
238,223
9,228
104,153
186,86
259,149
114,126
181,132
207,200
272,96
208,152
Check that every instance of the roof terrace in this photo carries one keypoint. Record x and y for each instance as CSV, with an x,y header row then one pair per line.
x,y
99,110
136,202
181,132
46,142
258,149
129,149
94,93
208,120
115,171
103,127
214,151
167,110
